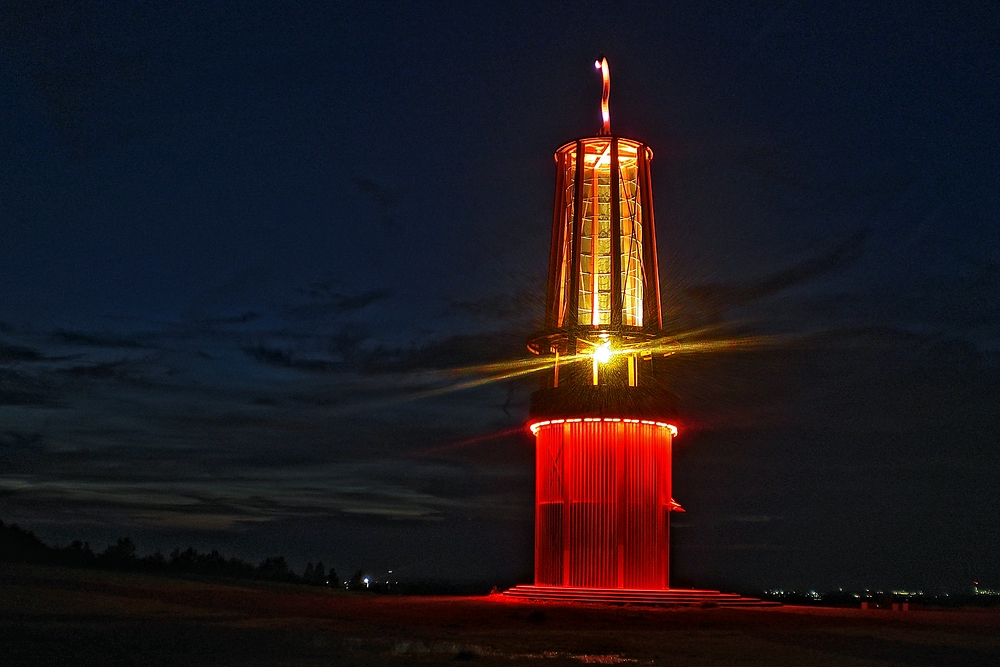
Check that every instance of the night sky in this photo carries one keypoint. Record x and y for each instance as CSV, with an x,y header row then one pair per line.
x,y
244,247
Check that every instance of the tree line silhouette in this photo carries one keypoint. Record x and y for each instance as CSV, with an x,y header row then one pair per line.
x,y
21,546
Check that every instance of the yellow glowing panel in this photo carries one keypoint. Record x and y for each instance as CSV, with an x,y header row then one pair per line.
x,y
595,246
630,213
594,297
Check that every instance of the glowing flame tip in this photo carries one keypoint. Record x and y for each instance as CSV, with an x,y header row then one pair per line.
x,y
602,65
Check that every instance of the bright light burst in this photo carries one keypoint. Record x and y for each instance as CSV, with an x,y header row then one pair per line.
x,y
688,343
603,352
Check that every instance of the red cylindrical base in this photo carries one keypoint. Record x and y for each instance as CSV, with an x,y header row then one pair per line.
x,y
602,503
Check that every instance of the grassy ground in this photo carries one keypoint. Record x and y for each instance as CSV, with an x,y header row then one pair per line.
x,y
55,616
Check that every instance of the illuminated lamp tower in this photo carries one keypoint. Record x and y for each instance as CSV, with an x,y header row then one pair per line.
x,y
601,420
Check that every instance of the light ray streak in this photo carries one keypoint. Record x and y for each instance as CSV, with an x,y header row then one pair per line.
x,y
509,370
439,391
538,363
429,451
675,346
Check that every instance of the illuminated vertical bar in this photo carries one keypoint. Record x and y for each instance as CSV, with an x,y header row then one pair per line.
x,y
616,238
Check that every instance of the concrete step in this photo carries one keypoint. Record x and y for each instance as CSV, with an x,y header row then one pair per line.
x,y
672,596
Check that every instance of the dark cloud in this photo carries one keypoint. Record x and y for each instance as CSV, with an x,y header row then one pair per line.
x,y
354,348
968,297
21,452
451,352
17,388
286,359
347,343
349,303
714,298
94,339
245,318
15,353
523,305
164,489
330,302
106,371
385,200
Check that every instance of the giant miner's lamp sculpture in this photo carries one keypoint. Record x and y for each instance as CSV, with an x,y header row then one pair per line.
x,y
602,420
